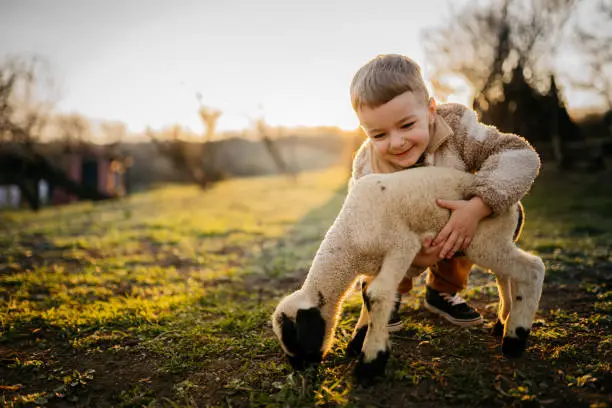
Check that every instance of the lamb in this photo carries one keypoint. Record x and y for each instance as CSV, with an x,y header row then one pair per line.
x,y
378,232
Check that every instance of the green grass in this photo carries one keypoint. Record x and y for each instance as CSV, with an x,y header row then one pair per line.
x,y
164,298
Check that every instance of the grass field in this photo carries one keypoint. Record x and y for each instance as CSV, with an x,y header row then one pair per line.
x,y
163,299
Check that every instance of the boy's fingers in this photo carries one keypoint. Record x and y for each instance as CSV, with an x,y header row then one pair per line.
x,y
431,249
442,236
426,250
456,247
448,204
466,243
450,242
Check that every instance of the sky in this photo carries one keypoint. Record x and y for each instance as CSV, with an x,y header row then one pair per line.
x,y
142,62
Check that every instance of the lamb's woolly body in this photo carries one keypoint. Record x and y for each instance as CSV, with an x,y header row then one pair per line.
x,y
379,231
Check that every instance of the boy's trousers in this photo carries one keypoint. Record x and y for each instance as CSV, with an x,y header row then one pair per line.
x,y
452,275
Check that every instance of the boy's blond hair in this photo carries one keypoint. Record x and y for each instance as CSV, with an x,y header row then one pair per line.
x,y
385,77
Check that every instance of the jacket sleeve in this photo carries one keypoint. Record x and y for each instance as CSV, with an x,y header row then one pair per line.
x,y
505,164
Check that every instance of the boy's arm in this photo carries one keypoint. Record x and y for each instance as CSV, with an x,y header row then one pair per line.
x,y
505,164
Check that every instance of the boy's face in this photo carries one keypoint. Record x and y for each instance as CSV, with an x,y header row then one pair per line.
x,y
399,129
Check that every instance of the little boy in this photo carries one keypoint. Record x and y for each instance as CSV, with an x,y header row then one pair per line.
x,y
405,128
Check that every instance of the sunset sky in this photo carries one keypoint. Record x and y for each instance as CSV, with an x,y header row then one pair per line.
x,y
142,62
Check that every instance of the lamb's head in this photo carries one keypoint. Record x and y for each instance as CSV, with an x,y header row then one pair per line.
x,y
301,329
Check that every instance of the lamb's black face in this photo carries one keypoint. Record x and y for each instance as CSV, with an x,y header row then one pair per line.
x,y
304,337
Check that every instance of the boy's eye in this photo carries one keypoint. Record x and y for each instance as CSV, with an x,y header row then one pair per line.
x,y
378,136
407,125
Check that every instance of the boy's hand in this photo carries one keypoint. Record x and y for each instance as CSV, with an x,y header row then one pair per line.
x,y
429,254
460,229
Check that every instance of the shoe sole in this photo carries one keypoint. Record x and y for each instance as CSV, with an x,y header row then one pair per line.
x,y
393,327
463,323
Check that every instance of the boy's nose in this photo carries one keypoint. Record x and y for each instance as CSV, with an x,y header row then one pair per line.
x,y
397,142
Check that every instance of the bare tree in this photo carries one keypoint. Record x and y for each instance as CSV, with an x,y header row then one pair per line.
x,y
21,121
74,130
170,145
483,43
22,114
594,44
503,50
263,131
209,117
194,158
207,152
113,132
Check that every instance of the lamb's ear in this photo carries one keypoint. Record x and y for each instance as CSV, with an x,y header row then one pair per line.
x,y
289,334
290,341
310,333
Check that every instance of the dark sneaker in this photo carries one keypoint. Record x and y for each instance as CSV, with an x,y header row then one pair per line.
x,y
452,307
395,322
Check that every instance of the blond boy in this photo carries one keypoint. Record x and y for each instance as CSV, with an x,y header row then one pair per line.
x,y
406,128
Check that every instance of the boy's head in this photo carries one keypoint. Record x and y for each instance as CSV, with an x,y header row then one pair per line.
x,y
394,109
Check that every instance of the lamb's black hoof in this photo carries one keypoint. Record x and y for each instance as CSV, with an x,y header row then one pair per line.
x,y
498,329
368,372
355,345
513,347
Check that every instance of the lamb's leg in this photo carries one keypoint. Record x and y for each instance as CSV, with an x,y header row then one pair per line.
x,y
379,297
526,289
361,328
526,274
505,304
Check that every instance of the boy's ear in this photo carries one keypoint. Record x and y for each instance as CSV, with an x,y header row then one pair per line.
x,y
432,110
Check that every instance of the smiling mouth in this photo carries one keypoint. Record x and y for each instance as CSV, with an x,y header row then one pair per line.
x,y
403,153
